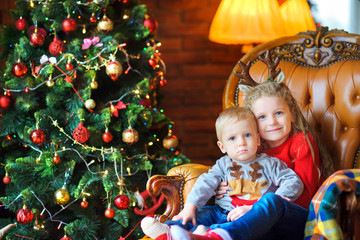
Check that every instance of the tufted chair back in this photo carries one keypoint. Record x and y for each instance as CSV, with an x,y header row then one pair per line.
x,y
322,70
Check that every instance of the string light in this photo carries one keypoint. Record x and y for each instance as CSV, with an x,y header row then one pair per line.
x,y
42,212
59,225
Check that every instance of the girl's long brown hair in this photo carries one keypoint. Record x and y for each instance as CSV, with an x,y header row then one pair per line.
x,y
274,89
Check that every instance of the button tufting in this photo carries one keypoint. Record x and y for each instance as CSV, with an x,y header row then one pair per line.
x,y
357,97
345,128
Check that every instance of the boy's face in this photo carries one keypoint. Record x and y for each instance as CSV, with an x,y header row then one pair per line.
x,y
240,140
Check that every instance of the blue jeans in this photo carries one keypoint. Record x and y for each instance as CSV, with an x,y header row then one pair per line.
x,y
206,216
271,217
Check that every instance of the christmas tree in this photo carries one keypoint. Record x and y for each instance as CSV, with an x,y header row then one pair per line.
x,y
81,129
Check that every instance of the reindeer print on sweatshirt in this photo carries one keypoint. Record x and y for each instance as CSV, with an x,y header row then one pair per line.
x,y
247,181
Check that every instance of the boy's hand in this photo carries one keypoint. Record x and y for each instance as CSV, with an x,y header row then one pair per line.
x,y
238,212
221,190
187,214
286,198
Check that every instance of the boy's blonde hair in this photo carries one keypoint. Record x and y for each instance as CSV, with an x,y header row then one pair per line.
x,y
273,89
232,115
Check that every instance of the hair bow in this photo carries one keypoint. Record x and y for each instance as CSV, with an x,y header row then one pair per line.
x,y
45,59
91,41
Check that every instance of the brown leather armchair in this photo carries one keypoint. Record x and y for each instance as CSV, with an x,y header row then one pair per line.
x,y
322,69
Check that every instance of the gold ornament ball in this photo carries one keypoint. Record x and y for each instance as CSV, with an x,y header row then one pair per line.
x,y
62,196
114,70
130,136
94,85
105,25
170,142
90,104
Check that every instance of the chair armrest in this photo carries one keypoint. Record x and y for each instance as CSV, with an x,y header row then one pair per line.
x,y
337,203
175,187
170,187
348,213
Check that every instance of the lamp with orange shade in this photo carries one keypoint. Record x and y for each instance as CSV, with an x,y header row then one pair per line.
x,y
297,16
256,21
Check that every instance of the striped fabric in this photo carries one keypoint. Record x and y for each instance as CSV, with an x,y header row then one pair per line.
x,y
321,222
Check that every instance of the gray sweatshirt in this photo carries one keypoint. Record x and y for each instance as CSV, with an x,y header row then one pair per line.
x,y
247,182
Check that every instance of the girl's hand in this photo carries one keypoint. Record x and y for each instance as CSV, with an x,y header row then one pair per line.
x,y
221,190
238,212
187,214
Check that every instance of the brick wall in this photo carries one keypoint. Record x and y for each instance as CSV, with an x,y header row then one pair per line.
x,y
197,70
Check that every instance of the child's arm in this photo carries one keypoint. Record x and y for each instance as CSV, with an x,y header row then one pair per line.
x,y
205,186
187,214
289,183
307,166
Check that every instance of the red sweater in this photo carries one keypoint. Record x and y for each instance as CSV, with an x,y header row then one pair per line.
x,y
296,153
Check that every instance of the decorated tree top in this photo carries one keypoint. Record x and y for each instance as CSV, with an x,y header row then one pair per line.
x,y
81,126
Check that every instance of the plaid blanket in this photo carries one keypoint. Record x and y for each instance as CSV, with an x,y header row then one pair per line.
x,y
321,222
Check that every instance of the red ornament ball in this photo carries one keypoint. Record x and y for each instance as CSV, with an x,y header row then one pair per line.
x,y
56,159
19,70
5,102
6,179
69,66
81,133
37,38
153,62
150,23
130,136
122,202
24,215
163,82
21,24
33,28
84,203
114,70
110,213
65,238
69,25
145,103
93,18
37,136
57,47
107,136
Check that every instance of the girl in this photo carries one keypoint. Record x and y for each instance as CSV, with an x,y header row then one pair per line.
x,y
286,135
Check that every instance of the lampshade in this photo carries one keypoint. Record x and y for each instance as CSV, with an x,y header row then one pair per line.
x,y
297,16
256,21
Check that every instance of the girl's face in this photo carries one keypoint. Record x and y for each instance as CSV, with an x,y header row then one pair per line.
x,y
274,120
